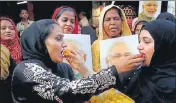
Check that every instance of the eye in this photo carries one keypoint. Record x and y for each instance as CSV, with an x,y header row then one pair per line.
x,y
127,54
116,18
64,19
3,28
117,56
147,40
59,38
72,21
107,19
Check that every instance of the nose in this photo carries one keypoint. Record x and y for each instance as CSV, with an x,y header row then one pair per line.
x,y
64,45
140,47
68,23
8,30
112,21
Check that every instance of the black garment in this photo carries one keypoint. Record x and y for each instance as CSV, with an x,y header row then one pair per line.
x,y
89,31
5,85
157,83
33,82
64,71
166,16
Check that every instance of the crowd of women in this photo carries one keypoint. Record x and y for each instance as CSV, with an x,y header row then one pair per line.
x,y
33,71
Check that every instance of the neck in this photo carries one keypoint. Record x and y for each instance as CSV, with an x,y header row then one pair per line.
x,y
24,20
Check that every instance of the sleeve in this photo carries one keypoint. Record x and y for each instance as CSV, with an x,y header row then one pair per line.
x,y
51,87
5,63
96,56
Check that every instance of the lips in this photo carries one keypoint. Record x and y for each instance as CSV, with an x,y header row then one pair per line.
x,y
8,35
68,28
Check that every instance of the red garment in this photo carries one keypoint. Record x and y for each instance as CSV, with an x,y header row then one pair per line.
x,y
13,45
75,31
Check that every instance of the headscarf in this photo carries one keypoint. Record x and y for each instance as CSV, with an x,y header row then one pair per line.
x,y
5,62
75,31
13,45
125,28
33,42
160,76
166,16
101,36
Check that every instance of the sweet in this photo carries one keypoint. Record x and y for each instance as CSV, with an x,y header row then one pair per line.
x,y
66,52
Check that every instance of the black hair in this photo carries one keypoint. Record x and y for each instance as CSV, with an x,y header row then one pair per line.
x,y
143,22
118,11
22,10
62,10
83,13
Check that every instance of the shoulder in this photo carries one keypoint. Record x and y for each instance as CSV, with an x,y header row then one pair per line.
x,y
28,65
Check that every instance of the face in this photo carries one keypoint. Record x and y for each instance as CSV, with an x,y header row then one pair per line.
x,y
55,44
7,30
24,14
146,46
112,23
119,50
138,29
150,8
80,16
67,22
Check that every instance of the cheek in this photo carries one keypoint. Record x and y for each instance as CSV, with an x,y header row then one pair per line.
x,y
106,27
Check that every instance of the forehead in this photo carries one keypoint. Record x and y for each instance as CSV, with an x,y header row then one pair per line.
x,y
23,11
145,33
119,47
56,30
68,14
150,2
112,11
6,22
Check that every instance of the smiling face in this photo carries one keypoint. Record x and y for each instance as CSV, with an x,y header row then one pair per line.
x,y
150,8
55,44
146,46
112,23
117,51
67,22
7,30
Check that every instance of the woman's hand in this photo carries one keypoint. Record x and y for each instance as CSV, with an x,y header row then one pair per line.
x,y
77,62
128,63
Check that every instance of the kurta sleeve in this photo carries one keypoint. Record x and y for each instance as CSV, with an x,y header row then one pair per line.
x,y
51,87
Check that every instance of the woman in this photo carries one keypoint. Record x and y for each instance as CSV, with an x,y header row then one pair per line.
x,y
9,38
155,82
166,16
33,81
139,25
67,19
112,24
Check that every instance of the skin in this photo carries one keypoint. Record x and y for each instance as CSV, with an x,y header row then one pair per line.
x,y
112,23
7,30
67,22
138,28
24,14
119,50
150,8
55,44
146,46
75,47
